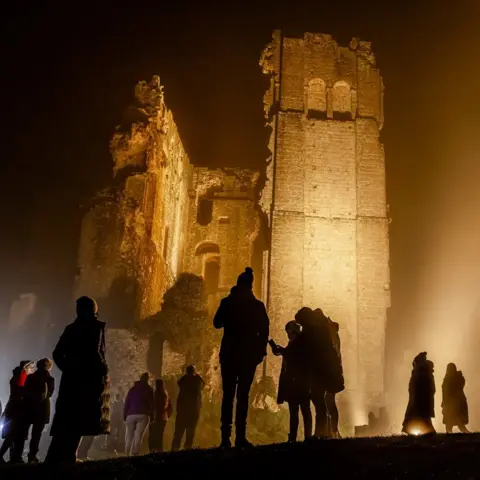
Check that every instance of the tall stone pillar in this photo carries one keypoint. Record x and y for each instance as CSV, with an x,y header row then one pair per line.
x,y
325,199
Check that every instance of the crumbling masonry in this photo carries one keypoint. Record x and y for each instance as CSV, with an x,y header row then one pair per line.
x,y
324,204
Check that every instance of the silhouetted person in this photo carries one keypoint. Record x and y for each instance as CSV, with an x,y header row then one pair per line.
x,y
454,401
324,363
83,403
189,404
332,409
245,335
14,430
421,403
39,388
294,383
163,410
139,411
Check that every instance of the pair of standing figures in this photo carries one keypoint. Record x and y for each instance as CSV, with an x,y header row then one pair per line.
x,y
421,405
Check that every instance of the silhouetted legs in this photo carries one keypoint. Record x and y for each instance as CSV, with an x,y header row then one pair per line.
x,y
136,427
318,399
294,407
332,413
63,449
461,427
237,379
184,426
36,436
84,447
155,437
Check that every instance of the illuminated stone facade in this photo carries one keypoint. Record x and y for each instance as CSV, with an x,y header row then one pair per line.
x,y
160,217
325,199
324,211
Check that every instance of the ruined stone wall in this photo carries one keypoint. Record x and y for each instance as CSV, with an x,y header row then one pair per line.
x,y
228,235
132,235
143,230
325,197
134,232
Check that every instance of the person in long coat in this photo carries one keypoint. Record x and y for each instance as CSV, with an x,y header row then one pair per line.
x,y
83,403
332,409
421,403
39,388
294,382
454,401
14,431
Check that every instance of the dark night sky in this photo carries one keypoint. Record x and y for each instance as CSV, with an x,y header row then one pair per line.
x,y
69,70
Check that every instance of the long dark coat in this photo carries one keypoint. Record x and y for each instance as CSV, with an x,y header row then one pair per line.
x,y
245,326
83,403
39,388
421,390
325,364
294,382
454,401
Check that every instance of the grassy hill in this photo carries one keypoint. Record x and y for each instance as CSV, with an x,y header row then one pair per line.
x,y
439,457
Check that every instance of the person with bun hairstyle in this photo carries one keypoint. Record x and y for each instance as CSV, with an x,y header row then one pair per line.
x,y
245,326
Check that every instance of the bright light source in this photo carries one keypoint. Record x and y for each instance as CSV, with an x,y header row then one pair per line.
x,y
416,432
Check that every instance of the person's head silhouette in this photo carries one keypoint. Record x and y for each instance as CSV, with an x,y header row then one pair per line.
x,y
245,279
87,307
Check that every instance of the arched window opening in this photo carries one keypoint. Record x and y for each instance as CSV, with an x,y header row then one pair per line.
x,y
207,247
212,275
204,211
342,100
316,97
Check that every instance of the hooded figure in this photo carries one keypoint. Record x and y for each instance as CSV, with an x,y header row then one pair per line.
x,y
83,403
245,326
454,401
14,430
421,402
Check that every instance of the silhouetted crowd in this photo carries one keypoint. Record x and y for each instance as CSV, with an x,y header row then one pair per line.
x,y
311,373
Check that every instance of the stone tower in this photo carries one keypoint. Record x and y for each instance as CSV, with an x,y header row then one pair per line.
x,y
326,203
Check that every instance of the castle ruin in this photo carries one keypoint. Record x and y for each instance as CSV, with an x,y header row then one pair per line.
x,y
316,234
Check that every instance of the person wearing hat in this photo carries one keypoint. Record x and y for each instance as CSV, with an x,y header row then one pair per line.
x,y
39,388
83,403
245,326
